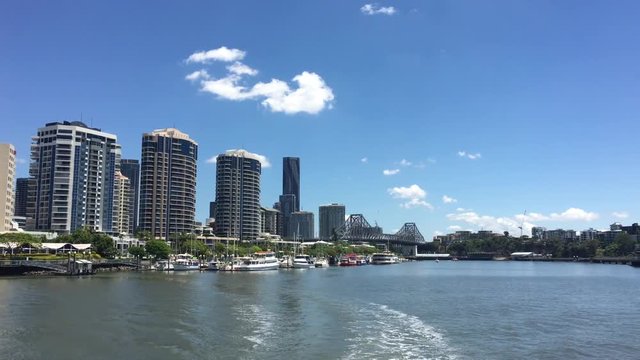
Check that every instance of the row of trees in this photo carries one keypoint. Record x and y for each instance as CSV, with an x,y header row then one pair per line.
x,y
622,245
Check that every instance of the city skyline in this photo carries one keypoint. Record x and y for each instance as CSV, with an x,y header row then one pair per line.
x,y
418,119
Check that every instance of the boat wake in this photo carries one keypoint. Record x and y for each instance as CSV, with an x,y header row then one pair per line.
x,y
260,323
384,333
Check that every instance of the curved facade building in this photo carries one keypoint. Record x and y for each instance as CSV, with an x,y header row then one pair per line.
x,y
238,195
167,183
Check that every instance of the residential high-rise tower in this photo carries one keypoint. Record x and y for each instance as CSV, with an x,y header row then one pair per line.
x,y
22,191
238,194
7,177
124,202
72,178
167,183
131,169
301,225
331,218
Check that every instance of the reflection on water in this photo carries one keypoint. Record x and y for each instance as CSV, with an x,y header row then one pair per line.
x,y
412,310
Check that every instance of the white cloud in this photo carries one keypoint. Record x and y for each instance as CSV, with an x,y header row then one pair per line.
x,y
198,75
375,9
448,200
311,96
390,172
239,68
469,155
574,214
413,195
220,54
620,214
364,160
437,233
512,224
21,161
405,162
454,227
264,161
486,222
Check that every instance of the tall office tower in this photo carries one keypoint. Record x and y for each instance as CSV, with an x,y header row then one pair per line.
x,y
212,209
167,183
269,221
331,218
238,194
287,207
7,176
72,178
22,189
301,225
131,169
291,178
123,203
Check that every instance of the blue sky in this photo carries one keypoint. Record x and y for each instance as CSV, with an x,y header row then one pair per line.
x,y
501,106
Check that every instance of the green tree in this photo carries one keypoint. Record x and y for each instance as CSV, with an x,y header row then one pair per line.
x,y
158,249
143,235
137,251
15,239
103,245
626,244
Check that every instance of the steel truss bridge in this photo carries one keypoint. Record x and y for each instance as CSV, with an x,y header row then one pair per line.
x,y
357,229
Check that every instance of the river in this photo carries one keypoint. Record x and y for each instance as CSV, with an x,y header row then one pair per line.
x,y
414,310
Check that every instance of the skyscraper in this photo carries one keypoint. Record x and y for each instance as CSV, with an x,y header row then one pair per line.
x,y
301,225
238,194
124,202
131,169
290,199
22,190
331,218
7,175
291,178
167,183
72,178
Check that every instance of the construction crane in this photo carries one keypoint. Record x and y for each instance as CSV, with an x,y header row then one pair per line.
x,y
524,215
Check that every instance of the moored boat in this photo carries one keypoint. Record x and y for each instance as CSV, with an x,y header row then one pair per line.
x,y
263,260
185,262
302,262
384,258
321,262
349,260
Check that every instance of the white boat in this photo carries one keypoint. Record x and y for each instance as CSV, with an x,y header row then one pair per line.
x,y
164,265
321,262
285,262
185,262
384,258
303,262
213,265
263,260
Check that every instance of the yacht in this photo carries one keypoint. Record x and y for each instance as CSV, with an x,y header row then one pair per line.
x,y
185,262
213,265
303,262
321,262
384,258
349,260
263,260
164,265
